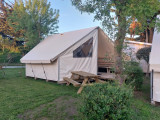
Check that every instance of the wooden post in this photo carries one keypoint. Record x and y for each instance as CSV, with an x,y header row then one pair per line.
x,y
44,73
83,84
33,72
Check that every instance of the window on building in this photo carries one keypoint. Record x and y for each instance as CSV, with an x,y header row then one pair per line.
x,y
85,50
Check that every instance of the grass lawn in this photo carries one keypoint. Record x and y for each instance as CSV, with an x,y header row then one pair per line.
x,y
142,109
26,98
29,99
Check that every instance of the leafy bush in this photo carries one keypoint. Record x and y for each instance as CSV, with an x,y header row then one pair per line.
x,y
106,102
143,53
134,75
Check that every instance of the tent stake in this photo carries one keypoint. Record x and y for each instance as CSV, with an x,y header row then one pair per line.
x,y
33,72
44,73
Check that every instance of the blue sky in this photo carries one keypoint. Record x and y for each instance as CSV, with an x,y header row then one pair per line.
x,y
70,18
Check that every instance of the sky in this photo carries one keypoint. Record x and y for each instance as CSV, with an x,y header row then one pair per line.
x,y
70,18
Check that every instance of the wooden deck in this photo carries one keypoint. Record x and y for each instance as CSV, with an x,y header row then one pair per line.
x,y
107,76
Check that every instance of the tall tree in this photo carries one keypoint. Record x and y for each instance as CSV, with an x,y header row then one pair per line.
x,y
123,10
146,13
36,18
7,33
103,11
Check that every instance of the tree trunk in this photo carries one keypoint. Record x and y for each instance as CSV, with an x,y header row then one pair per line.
x,y
150,36
146,35
119,47
143,36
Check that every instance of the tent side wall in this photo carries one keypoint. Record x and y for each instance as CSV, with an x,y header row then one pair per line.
x,y
156,88
70,63
155,67
43,71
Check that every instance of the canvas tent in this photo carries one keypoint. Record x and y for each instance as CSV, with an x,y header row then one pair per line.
x,y
155,68
59,54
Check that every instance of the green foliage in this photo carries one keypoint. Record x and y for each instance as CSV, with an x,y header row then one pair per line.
x,y
9,57
115,16
145,11
26,98
143,53
134,75
109,11
35,18
106,11
106,102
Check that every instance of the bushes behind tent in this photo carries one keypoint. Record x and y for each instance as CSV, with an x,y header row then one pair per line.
x,y
105,102
9,57
134,74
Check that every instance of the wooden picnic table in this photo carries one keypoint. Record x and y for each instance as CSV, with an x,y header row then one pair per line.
x,y
85,76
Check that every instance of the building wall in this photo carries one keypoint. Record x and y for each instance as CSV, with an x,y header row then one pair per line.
x,y
130,51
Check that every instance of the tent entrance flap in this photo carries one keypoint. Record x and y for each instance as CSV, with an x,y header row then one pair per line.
x,y
105,52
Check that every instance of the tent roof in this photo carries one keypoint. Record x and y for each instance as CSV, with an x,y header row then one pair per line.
x,y
49,49
154,56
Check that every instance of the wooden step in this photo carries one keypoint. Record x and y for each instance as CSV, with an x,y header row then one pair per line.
x,y
69,80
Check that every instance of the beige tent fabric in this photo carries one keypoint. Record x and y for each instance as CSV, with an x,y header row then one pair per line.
x,y
105,45
154,56
155,66
43,71
156,88
49,49
87,64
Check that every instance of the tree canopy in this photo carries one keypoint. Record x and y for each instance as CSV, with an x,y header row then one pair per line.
x,y
7,33
143,53
116,16
35,18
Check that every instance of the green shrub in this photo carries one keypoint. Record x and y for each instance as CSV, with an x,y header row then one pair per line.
x,y
105,102
7,56
134,75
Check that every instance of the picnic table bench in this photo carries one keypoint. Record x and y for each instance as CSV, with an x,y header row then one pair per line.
x,y
84,77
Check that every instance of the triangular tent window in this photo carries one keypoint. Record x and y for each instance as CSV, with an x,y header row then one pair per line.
x,y
85,50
